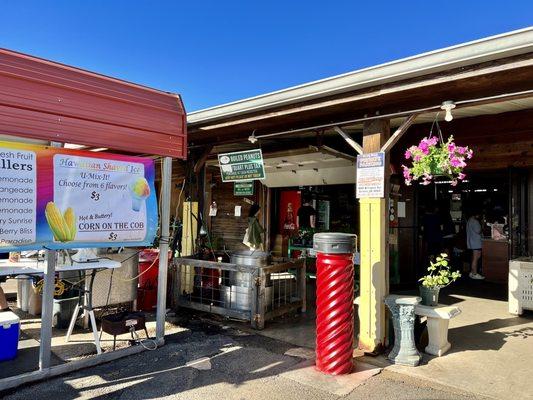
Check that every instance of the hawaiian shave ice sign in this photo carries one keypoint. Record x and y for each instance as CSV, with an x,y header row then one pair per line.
x,y
108,197
58,198
242,166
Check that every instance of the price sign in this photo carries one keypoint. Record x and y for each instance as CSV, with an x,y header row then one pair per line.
x,y
117,191
58,198
242,166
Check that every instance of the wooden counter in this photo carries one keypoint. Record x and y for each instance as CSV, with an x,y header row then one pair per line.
x,y
495,260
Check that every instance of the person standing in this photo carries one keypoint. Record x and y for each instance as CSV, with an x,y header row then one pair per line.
x,y
474,244
306,216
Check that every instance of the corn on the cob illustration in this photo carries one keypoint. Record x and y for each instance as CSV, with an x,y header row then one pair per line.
x,y
63,226
70,219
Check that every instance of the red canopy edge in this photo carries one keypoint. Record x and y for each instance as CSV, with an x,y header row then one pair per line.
x,y
45,100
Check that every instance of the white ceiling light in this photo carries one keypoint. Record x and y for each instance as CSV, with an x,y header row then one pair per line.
x,y
448,106
74,146
252,139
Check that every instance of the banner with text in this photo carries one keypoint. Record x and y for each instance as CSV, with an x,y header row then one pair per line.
x,y
58,198
242,166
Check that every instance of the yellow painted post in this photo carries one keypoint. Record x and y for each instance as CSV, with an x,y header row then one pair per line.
x,y
189,231
373,282
374,254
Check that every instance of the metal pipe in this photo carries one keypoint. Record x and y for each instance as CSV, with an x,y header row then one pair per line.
x,y
166,180
47,314
470,103
45,349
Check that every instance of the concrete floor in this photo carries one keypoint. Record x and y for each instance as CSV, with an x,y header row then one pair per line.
x,y
296,328
491,354
223,364
492,350
81,344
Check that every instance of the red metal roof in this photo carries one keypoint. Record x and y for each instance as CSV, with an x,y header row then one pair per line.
x,y
46,100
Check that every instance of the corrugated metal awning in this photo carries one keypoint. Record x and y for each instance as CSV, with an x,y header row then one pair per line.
x,y
45,100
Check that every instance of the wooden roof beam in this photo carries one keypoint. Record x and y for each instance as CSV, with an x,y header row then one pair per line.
x,y
356,146
399,132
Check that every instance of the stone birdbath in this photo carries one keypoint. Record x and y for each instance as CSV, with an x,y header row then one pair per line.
x,y
402,308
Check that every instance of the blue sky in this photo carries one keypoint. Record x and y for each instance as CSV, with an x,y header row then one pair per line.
x,y
213,52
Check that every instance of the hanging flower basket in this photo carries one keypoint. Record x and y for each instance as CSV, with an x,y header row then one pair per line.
x,y
433,158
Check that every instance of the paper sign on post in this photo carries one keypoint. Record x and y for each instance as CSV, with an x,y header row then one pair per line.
x,y
370,175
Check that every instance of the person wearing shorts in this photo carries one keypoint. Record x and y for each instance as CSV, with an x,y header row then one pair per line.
x,y
473,242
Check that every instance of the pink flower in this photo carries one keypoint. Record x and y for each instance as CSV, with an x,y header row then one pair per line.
x,y
461,176
451,147
461,150
432,141
457,162
469,154
418,157
454,182
406,172
408,154
423,146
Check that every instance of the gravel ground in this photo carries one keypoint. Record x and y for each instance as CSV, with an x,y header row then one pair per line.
x,y
211,364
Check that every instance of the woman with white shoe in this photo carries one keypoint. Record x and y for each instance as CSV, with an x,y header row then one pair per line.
x,y
473,242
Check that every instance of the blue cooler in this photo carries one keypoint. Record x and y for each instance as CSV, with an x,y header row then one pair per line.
x,y
9,335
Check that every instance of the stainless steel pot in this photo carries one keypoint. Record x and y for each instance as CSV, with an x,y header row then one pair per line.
x,y
251,258
247,258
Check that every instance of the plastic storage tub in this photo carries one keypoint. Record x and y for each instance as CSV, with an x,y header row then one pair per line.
x,y
63,310
9,335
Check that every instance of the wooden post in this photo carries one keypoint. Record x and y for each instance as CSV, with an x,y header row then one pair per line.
x,y
374,252
258,299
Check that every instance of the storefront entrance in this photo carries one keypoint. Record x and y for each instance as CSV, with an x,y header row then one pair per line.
x,y
432,219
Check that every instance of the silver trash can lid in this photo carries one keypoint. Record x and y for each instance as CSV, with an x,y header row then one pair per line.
x,y
334,242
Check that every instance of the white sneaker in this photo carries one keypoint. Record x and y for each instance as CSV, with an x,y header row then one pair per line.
x,y
475,275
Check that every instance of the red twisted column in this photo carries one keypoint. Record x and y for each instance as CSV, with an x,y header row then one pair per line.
x,y
334,313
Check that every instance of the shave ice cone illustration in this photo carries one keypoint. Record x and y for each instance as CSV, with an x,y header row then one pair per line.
x,y
63,226
139,190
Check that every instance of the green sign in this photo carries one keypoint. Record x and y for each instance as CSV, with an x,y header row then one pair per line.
x,y
242,166
244,188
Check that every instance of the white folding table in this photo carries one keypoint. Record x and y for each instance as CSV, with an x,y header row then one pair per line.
x,y
36,267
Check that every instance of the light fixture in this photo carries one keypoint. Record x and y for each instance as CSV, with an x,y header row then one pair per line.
x,y
448,106
252,138
74,146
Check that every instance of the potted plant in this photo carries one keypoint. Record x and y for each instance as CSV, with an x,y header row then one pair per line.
x,y
433,157
439,276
